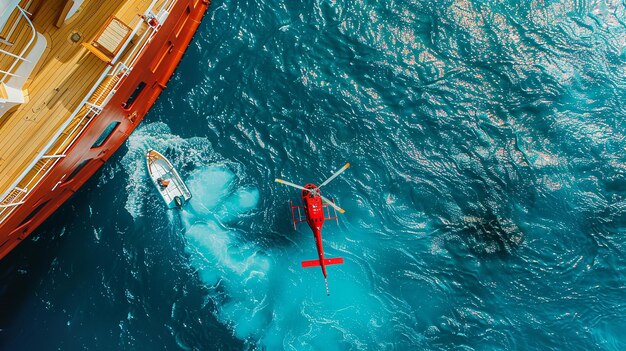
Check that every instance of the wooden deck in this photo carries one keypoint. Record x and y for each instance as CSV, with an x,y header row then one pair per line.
x,y
60,81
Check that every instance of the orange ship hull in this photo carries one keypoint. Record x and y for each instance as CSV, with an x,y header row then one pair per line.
x,y
152,71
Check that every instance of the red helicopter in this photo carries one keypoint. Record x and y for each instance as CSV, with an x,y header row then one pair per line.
x,y
316,210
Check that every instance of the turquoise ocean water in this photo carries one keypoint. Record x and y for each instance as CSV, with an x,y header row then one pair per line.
x,y
485,205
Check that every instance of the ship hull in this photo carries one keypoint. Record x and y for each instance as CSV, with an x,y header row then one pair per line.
x,y
152,71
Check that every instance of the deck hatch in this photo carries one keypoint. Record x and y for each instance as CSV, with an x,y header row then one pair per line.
x,y
33,214
131,99
105,134
76,170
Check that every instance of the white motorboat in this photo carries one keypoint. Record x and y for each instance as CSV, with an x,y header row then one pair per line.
x,y
167,181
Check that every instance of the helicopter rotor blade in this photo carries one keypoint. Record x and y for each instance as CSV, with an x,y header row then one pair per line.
x,y
332,204
292,184
335,174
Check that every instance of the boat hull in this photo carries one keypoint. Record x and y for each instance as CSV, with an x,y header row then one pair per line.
x,y
153,69
161,170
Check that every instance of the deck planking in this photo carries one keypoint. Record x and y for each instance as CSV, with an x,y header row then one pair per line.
x,y
59,83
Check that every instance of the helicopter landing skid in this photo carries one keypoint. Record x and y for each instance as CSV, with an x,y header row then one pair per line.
x,y
298,216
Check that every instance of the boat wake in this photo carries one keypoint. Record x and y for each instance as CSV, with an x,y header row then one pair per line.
x,y
185,154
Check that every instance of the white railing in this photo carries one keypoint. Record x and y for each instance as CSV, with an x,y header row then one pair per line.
x,y
48,158
18,57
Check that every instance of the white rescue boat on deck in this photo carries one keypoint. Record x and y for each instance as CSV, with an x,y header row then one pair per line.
x,y
167,181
